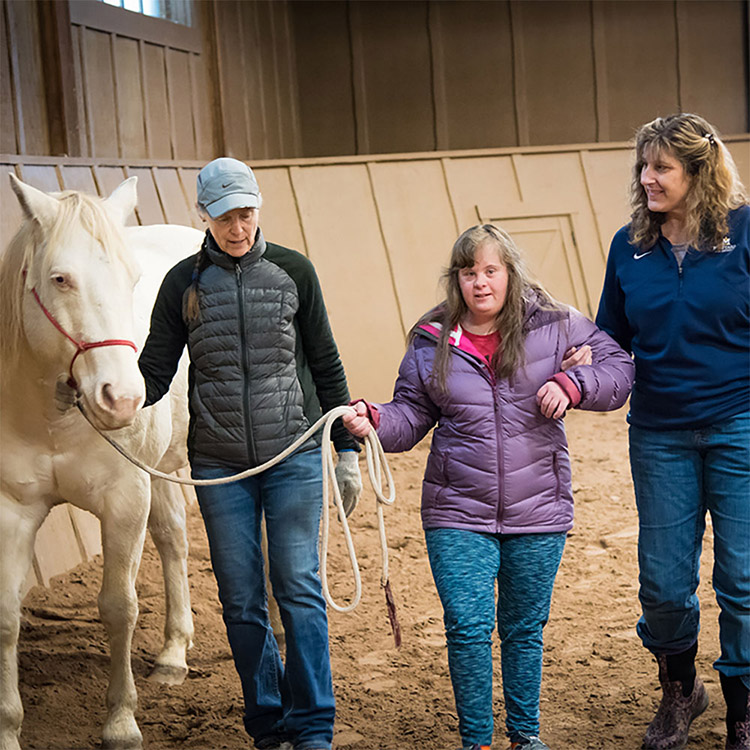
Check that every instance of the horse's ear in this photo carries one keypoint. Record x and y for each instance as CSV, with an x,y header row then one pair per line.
x,y
36,205
123,198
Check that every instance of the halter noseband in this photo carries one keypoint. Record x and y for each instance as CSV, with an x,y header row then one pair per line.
x,y
81,346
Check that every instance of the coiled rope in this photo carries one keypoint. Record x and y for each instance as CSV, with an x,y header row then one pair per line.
x,y
377,465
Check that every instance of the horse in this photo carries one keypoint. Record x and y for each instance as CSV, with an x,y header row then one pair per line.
x,y
74,309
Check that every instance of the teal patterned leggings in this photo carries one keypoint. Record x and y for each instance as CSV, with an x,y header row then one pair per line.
x,y
465,566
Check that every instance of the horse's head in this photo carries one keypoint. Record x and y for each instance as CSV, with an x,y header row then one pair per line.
x,y
68,281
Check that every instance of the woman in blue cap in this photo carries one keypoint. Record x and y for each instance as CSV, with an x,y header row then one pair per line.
x,y
263,364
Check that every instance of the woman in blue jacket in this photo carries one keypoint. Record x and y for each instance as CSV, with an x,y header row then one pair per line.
x,y
677,295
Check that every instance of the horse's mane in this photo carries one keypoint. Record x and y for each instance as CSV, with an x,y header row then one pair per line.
x,y
34,250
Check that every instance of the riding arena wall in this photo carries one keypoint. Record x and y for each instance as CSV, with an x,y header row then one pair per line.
x,y
379,230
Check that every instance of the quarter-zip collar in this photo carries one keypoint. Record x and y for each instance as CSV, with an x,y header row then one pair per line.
x,y
223,260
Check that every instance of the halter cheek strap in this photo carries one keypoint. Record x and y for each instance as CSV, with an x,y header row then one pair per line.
x,y
81,346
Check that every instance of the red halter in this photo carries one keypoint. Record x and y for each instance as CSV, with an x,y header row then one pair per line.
x,y
81,346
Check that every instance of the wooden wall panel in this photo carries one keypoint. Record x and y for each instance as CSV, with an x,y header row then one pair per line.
x,y
279,47
179,88
129,95
156,103
203,110
57,548
556,183
324,71
231,70
88,532
485,180
607,175
712,62
418,228
256,63
345,244
149,209
108,178
392,77
277,60
8,133
188,179
27,74
548,247
640,69
171,196
279,216
41,176
554,72
473,92
10,210
99,87
78,178
740,151
76,33
265,60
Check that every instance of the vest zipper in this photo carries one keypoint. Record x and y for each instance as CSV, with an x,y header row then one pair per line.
x,y
250,443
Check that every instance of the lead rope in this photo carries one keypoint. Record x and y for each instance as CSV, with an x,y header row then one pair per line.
x,y
376,466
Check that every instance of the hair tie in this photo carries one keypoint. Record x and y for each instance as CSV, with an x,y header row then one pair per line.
x,y
710,138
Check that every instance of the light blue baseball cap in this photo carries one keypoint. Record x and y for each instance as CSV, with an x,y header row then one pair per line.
x,y
225,184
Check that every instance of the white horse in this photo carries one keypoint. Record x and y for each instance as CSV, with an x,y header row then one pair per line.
x,y
72,308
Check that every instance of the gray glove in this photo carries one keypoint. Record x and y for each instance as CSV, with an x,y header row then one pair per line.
x,y
349,480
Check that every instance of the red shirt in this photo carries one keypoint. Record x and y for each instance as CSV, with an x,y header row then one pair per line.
x,y
485,344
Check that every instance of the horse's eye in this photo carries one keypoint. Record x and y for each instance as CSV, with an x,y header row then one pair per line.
x,y
60,280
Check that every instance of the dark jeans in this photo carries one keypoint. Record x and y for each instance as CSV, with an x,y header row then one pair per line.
x,y
679,475
295,700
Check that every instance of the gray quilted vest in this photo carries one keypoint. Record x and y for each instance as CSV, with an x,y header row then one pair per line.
x,y
246,402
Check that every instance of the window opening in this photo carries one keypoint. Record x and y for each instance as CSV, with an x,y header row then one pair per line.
x,y
176,11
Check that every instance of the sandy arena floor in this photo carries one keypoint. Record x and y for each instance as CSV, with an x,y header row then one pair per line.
x,y
599,688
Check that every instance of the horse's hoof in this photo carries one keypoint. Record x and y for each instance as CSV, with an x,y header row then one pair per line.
x,y
168,675
134,743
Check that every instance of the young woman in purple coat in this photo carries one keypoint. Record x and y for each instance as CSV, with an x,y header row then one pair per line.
x,y
485,368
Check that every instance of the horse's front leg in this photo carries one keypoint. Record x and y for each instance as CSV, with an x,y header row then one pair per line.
x,y
166,522
18,527
123,530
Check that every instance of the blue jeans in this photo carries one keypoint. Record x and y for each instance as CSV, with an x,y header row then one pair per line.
x,y
679,475
465,566
296,700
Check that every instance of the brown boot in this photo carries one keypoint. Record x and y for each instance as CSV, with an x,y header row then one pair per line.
x,y
669,728
741,738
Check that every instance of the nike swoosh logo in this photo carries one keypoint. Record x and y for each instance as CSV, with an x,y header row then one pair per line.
x,y
226,185
638,256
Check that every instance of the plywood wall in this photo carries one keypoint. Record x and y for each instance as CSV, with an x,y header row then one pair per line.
x,y
379,231
263,79
376,77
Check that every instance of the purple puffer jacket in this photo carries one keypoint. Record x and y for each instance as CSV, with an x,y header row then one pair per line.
x,y
496,464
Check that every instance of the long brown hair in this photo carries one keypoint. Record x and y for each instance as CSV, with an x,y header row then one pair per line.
x,y
715,187
510,319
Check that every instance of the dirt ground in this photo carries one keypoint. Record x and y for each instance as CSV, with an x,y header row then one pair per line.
x,y
599,688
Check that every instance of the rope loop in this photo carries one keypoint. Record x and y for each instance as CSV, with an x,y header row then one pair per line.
x,y
377,468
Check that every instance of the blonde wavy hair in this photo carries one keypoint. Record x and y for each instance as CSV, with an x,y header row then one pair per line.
x,y
715,187
510,319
